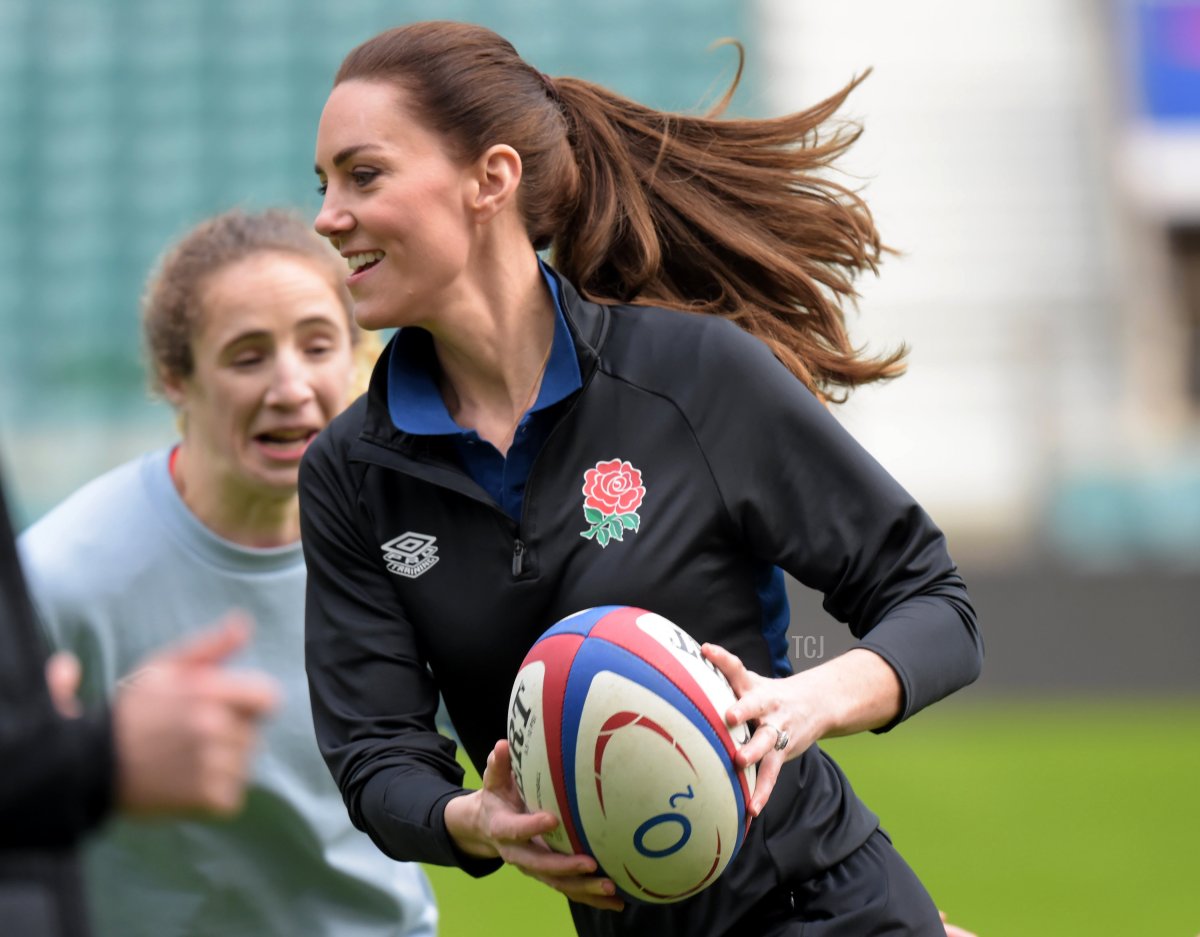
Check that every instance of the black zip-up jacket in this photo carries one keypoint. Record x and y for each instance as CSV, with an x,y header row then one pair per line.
x,y
418,581
56,774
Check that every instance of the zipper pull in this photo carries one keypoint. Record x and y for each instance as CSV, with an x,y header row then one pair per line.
x,y
518,557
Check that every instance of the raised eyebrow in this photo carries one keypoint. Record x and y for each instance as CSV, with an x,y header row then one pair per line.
x,y
345,154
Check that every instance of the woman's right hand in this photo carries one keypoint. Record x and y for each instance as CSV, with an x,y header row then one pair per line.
x,y
493,821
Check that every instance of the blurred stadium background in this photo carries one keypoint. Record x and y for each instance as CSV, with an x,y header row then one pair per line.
x,y
1037,165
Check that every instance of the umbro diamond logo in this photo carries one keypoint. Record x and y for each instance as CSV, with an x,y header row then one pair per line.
x,y
410,554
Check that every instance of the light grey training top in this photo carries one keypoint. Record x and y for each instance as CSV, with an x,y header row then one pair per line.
x,y
121,568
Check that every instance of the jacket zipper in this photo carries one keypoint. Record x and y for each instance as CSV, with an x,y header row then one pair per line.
x,y
519,549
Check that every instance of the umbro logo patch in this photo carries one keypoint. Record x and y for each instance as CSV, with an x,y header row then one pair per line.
x,y
411,554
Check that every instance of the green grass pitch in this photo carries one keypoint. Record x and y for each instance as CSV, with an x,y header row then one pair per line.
x,y
1055,818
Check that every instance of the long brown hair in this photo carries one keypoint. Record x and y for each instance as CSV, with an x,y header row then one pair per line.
x,y
731,217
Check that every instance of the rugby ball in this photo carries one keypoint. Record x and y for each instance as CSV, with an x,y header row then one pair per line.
x,y
616,726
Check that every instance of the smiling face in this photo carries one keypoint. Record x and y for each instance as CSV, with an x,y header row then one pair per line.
x,y
272,364
396,204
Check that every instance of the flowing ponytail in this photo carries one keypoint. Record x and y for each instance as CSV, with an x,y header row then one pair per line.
x,y
736,218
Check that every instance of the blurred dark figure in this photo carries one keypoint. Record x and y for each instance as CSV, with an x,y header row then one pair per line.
x,y
56,774
178,739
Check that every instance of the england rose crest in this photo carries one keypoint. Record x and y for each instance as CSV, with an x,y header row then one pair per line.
x,y
612,494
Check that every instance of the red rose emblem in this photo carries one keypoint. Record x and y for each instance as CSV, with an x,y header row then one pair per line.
x,y
613,487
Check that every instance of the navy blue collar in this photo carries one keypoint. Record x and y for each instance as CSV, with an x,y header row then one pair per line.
x,y
414,401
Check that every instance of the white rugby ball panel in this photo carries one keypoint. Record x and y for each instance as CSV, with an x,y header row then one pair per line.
x,y
643,659
527,745
677,655
651,786
716,688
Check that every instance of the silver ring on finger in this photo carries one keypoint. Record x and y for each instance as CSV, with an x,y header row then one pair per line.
x,y
781,736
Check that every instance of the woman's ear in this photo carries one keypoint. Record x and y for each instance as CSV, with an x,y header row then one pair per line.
x,y
172,389
497,177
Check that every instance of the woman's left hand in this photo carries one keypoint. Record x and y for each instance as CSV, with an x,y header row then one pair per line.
x,y
851,693
785,724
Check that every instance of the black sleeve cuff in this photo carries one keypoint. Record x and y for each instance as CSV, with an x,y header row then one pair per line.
x,y
60,780
932,643
398,823
97,766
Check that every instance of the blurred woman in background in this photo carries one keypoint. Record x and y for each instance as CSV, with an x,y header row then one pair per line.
x,y
251,340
